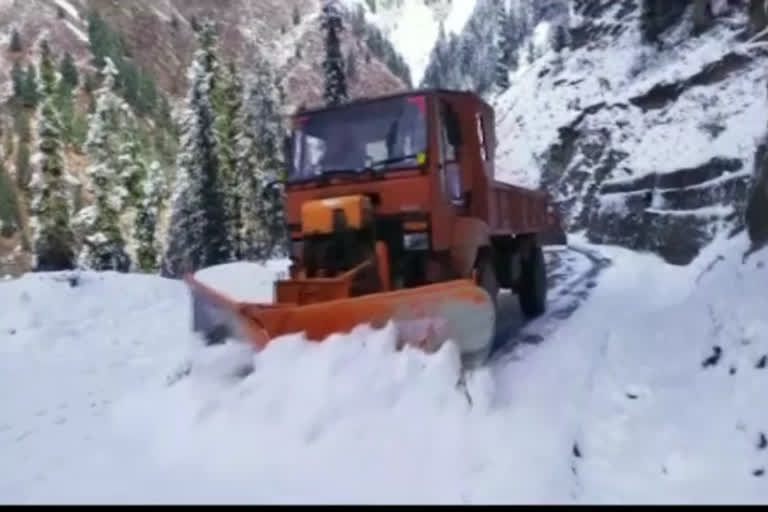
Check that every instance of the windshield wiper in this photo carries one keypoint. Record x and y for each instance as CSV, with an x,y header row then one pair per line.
x,y
369,169
394,160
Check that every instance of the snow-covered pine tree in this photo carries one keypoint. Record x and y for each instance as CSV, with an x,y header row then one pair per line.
x,y
10,219
250,177
68,70
30,93
132,170
259,164
474,49
227,101
17,79
98,225
15,45
333,65
51,202
153,197
131,164
503,47
197,232
516,32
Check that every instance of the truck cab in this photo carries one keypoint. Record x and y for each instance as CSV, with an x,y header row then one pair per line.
x,y
414,170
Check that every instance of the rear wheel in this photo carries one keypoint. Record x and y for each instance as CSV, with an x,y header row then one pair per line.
x,y
533,283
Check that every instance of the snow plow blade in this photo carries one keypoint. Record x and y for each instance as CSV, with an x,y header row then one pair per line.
x,y
424,317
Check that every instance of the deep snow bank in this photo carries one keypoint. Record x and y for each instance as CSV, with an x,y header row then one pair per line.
x,y
671,410
66,353
244,281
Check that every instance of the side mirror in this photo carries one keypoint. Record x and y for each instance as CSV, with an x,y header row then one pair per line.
x,y
271,189
288,153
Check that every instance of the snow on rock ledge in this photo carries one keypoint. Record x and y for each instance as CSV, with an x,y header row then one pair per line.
x,y
650,149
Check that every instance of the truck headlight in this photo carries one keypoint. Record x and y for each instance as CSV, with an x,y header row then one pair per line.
x,y
416,241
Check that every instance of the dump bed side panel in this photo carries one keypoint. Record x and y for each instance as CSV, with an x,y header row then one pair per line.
x,y
517,210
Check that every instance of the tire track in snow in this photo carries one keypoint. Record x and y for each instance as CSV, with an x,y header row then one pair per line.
x,y
533,393
572,274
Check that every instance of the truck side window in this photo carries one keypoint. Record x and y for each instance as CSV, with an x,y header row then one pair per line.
x,y
450,132
449,129
481,136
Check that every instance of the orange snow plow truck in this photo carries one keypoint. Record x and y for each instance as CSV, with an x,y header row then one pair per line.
x,y
395,216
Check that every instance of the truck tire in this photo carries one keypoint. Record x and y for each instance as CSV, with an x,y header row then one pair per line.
x,y
533,284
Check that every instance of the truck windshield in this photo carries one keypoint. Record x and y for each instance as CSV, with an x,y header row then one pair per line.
x,y
379,135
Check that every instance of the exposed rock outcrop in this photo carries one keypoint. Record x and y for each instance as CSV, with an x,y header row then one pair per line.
x,y
647,146
757,208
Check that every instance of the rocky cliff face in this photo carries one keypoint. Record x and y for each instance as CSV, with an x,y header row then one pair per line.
x,y
756,215
651,146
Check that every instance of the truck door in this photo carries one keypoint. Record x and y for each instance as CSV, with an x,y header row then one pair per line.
x,y
450,140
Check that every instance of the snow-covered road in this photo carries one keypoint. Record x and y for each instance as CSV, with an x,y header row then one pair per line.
x,y
613,396
572,273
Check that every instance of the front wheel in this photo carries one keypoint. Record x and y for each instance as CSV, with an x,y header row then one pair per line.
x,y
533,284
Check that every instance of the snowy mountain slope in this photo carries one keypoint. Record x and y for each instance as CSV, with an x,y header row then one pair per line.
x,y
413,25
496,34
158,37
35,20
650,149
605,411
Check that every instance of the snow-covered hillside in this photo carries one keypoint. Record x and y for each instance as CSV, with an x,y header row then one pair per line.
x,y
651,146
628,400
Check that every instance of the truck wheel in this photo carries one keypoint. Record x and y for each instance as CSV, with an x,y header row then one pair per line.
x,y
533,284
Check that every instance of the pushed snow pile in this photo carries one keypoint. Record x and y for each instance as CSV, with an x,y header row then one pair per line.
x,y
244,281
349,420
